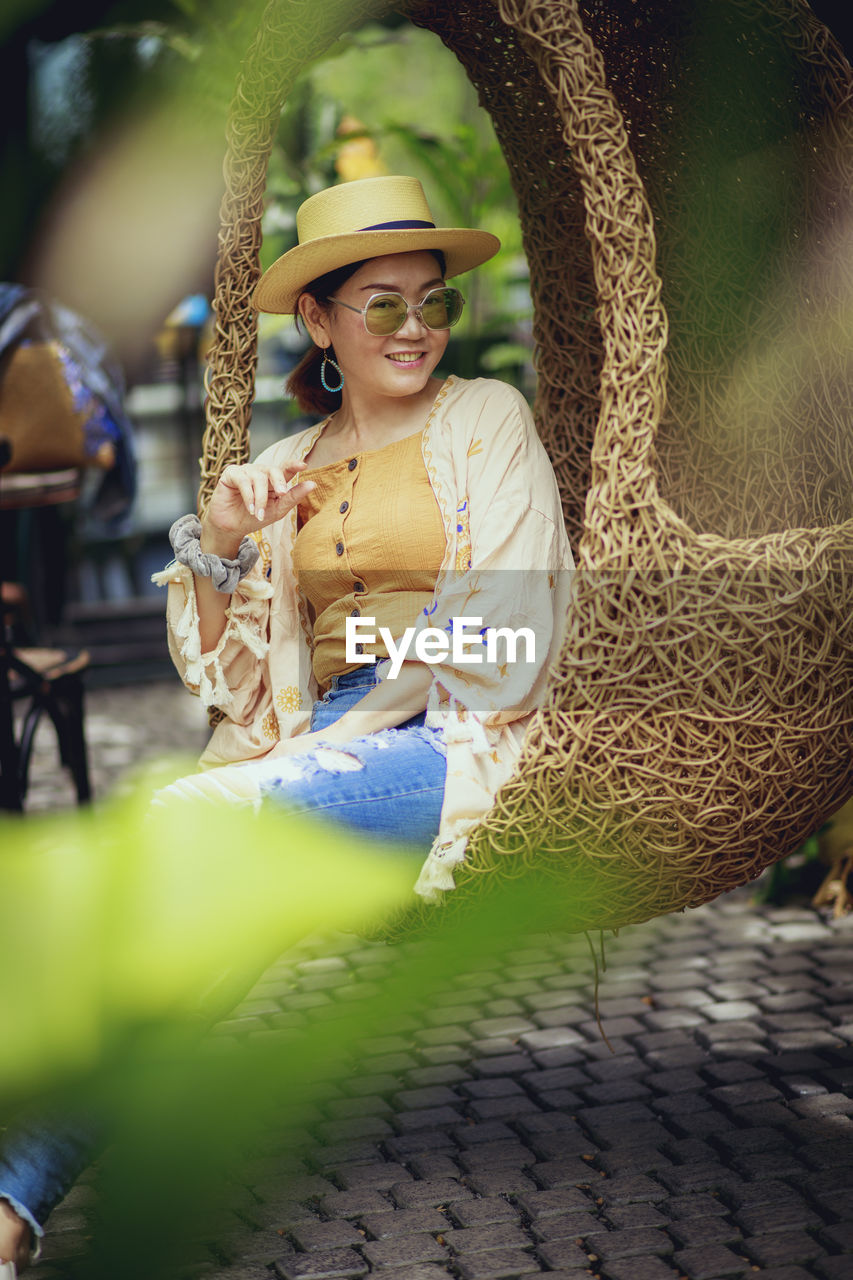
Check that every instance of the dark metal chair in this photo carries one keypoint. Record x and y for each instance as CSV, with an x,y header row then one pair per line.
x,y
47,681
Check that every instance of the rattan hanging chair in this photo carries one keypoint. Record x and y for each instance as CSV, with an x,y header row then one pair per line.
x,y
699,723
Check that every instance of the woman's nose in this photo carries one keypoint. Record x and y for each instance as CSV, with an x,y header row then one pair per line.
x,y
413,326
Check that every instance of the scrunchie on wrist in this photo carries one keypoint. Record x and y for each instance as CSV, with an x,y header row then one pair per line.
x,y
224,574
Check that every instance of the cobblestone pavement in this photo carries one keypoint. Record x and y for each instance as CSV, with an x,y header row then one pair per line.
x,y
494,1134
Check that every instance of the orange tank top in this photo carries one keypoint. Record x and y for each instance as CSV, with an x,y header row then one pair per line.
x,y
370,543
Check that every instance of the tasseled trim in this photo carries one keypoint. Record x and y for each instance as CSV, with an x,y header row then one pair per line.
x,y
250,635
241,624
463,725
173,572
436,875
458,724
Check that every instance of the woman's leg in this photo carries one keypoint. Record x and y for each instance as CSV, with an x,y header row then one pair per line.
x,y
40,1160
306,774
389,785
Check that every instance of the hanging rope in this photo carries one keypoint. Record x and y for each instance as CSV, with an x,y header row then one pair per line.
x,y
292,33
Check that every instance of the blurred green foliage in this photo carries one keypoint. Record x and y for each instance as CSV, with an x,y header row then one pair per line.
x,y
125,932
115,917
795,878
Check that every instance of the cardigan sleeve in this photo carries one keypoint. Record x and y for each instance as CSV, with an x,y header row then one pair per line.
x,y
513,567
234,675
229,676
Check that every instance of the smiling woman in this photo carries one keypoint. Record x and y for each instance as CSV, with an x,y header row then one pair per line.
x,y
424,506
416,502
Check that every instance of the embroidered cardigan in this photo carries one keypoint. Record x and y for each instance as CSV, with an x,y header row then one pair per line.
x,y
507,565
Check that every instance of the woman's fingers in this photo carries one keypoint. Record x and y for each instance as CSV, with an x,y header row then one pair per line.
x,y
260,488
297,492
277,480
263,490
281,503
291,469
239,478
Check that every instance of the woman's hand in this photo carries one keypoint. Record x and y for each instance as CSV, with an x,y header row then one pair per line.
x,y
247,498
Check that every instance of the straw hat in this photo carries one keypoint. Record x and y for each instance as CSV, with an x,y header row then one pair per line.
x,y
364,219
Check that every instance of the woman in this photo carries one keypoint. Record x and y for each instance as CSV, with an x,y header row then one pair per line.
x,y
434,500
420,510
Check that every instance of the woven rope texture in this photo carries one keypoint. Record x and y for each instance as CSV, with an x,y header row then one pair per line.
x,y
699,722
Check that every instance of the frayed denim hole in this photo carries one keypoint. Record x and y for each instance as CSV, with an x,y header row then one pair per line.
x,y
382,739
433,737
337,760
294,769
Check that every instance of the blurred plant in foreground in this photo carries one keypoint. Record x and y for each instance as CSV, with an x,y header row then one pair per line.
x,y
110,919
123,934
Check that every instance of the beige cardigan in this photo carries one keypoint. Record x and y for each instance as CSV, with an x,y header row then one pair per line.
x,y
507,562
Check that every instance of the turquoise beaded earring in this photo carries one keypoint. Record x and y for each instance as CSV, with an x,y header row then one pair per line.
x,y
327,359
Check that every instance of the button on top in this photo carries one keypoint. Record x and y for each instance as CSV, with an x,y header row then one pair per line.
x,y
343,507
339,547
358,586
352,464
355,613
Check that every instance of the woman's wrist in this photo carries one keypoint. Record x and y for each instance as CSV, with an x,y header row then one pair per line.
x,y
219,542
224,572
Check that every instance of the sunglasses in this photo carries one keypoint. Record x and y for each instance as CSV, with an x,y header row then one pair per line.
x,y
385,313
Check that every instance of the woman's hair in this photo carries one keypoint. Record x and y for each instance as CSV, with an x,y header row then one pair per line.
x,y
304,383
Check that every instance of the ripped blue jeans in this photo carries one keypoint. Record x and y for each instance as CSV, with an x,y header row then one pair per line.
x,y
392,788
388,784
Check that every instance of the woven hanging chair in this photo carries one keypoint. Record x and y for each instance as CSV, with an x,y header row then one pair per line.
x,y
699,723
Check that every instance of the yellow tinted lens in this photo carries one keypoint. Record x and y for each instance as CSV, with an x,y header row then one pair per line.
x,y
441,308
385,314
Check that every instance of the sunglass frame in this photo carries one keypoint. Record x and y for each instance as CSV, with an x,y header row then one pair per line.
x,y
410,307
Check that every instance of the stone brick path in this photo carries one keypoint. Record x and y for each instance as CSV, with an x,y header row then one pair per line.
x,y
494,1134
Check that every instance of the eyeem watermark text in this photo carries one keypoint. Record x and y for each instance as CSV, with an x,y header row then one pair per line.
x,y
467,642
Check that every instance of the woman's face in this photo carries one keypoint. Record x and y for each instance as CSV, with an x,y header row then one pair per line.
x,y
399,365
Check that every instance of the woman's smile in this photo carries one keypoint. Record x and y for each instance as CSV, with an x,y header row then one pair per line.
x,y
406,357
